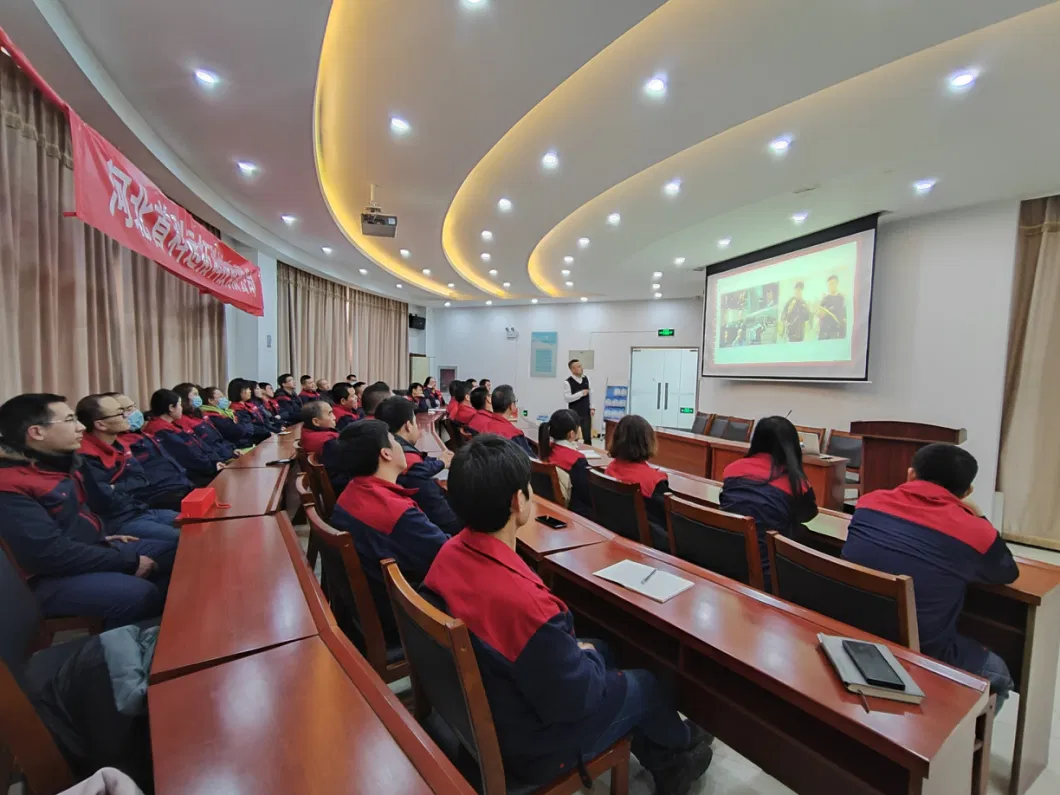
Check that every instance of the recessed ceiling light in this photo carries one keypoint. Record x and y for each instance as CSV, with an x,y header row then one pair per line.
x,y
485,256
504,205
657,275
656,286
614,219
568,259
451,285
405,253
550,159
800,217
474,4
583,242
724,242
426,271
564,272
924,185
207,78
533,300
506,285
656,86
679,261
288,219
780,146
489,303
399,126
569,284
963,80
487,234
247,167
493,272
448,303
658,295
363,271
327,250
672,188
400,285
584,299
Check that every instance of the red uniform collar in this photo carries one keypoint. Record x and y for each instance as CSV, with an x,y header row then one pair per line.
x,y
376,502
640,472
157,425
341,411
496,550
564,457
109,455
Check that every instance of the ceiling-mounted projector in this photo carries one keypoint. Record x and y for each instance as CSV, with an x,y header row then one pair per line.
x,y
376,223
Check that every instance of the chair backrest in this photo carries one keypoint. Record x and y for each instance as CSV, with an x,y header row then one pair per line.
x,y
456,438
306,493
700,423
322,484
20,620
818,432
545,481
846,445
620,507
445,676
301,454
882,604
716,427
348,592
725,543
738,430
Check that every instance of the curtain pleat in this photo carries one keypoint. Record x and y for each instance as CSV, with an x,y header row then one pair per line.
x,y
79,313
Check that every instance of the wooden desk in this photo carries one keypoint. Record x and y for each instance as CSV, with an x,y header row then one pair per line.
x,y
537,540
827,475
234,591
684,451
275,447
748,668
288,720
250,491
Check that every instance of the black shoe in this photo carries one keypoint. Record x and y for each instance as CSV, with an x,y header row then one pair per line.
x,y
699,735
676,776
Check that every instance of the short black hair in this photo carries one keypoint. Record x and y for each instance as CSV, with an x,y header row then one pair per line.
x,y
351,377
572,362
633,439
360,445
312,410
471,382
340,391
236,387
946,465
483,480
413,386
162,400
283,377
799,285
373,396
478,397
833,278
395,412
458,391
503,397
360,384
305,378
22,412
183,390
88,411
264,384
207,392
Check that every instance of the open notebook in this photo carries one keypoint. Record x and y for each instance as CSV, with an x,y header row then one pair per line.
x,y
654,583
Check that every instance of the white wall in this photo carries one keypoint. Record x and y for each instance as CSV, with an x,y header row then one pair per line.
x,y
251,341
939,339
418,337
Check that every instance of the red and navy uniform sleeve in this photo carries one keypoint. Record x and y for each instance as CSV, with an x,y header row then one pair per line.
x,y
805,505
524,444
254,431
187,452
41,548
345,421
423,405
997,566
419,540
564,682
238,433
430,496
103,498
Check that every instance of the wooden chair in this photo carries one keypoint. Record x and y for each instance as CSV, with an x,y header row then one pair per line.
x,y
620,507
308,499
322,484
737,429
722,542
717,425
701,422
446,678
351,599
458,437
847,445
545,481
818,432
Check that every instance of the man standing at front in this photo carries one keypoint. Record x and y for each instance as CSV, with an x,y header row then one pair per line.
x,y
576,393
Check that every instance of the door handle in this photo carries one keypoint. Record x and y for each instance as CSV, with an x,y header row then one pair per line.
x,y
658,395
666,407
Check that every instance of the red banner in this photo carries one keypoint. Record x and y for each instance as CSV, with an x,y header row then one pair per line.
x,y
117,198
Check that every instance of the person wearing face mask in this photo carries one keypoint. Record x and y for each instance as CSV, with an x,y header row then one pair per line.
x,y
109,472
191,421
54,537
167,482
166,410
218,410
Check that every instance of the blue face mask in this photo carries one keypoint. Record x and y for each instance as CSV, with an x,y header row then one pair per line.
x,y
196,402
136,420
224,403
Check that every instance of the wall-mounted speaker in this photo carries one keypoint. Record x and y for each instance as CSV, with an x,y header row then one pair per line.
x,y
417,322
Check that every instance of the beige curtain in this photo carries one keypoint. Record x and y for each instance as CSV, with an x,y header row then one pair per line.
x,y
1029,468
79,313
329,330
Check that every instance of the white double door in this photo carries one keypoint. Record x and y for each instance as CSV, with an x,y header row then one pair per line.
x,y
662,385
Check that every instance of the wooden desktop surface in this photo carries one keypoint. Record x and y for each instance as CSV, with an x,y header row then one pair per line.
x,y
252,491
729,643
277,446
536,540
287,720
234,591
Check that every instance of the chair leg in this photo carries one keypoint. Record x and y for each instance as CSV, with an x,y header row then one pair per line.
x,y
984,732
620,776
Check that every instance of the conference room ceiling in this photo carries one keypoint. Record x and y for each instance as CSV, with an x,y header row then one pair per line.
x,y
308,92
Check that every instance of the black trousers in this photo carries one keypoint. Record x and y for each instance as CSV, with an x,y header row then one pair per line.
x,y
587,428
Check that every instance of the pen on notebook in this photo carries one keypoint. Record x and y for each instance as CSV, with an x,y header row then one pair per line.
x,y
648,577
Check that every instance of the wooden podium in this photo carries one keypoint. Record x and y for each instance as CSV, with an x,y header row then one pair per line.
x,y
888,448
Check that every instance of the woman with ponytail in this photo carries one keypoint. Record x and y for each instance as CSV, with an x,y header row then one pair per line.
x,y
557,442
768,484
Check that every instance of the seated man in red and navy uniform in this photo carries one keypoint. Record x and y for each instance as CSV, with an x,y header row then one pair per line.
x,y
318,426
768,485
381,516
482,410
459,406
59,544
500,419
372,396
400,417
309,390
924,529
344,403
287,399
167,481
632,445
556,701
109,472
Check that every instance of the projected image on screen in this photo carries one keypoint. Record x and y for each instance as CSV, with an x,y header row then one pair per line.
x,y
801,314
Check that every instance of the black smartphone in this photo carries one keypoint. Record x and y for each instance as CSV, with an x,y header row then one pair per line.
x,y
873,665
552,522
279,462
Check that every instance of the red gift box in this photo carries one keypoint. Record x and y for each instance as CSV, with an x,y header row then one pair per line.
x,y
198,503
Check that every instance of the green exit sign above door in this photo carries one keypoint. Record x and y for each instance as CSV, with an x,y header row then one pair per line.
x,y
666,332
